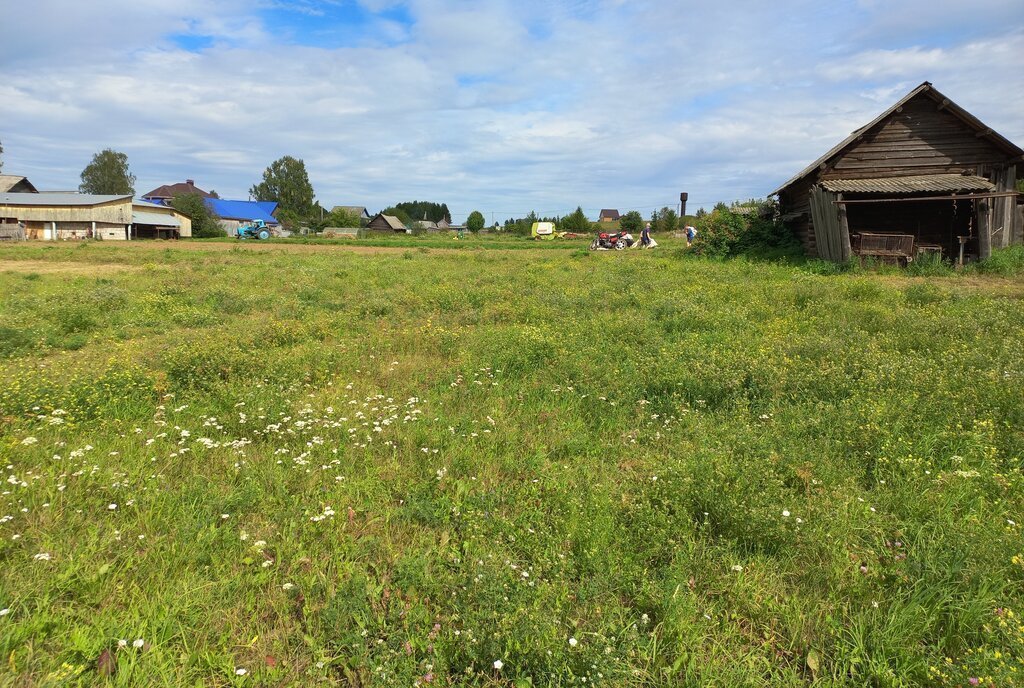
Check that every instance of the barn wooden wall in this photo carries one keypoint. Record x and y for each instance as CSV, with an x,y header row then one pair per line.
x,y
922,139
118,213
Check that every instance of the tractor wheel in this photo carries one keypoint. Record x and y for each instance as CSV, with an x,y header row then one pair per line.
x,y
263,234
619,245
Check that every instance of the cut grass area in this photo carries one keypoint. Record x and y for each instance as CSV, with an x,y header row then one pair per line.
x,y
377,469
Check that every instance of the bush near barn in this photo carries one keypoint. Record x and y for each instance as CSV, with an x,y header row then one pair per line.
x,y
743,229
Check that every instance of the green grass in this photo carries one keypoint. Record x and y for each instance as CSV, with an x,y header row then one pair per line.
x,y
446,240
635,468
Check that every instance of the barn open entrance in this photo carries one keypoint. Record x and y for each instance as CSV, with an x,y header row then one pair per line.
x,y
914,228
900,219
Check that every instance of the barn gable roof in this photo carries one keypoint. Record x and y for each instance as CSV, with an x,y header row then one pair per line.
x,y
925,89
16,183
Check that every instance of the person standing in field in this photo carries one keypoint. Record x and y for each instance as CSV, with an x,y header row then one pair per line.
x,y
691,234
645,236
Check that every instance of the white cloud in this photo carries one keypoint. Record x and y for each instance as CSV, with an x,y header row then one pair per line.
x,y
504,106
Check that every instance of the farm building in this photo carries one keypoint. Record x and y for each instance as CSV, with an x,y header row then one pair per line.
x,y
608,215
61,216
925,176
357,210
12,183
156,221
164,194
386,223
233,214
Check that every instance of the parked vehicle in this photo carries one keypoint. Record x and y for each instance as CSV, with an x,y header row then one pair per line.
x,y
543,230
257,229
612,241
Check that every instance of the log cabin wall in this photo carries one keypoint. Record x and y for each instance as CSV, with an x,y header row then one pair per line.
x,y
917,139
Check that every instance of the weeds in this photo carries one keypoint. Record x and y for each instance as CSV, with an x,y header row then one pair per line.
x,y
508,468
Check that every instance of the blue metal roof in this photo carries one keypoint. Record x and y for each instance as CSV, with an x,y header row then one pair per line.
x,y
243,210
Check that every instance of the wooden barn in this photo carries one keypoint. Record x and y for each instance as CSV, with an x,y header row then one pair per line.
x,y
386,223
925,176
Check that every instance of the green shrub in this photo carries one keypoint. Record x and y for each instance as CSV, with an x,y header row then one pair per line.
x,y
1006,262
723,233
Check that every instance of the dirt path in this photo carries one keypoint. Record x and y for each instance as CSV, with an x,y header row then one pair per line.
x,y
49,267
283,248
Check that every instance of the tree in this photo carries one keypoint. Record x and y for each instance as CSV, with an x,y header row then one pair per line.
x,y
1020,182
631,222
667,220
475,221
287,182
576,222
341,218
108,174
213,194
204,220
423,210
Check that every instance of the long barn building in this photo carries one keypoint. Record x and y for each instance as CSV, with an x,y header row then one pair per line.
x,y
924,176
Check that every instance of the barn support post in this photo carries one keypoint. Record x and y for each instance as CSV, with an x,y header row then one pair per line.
x,y
984,229
845,250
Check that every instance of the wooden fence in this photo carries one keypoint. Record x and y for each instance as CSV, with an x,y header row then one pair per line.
x,y
10,232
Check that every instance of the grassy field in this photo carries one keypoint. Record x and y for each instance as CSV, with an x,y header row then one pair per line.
x,y
265,466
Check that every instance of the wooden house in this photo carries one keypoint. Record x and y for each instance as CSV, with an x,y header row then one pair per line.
x,y
608,215
924,176
164,194
386,223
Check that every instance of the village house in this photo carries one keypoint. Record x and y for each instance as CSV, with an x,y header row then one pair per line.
x,y
232,214
925,176
608,215
164,194
386,223
357,210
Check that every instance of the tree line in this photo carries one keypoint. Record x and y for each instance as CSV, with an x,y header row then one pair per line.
x,y
286,182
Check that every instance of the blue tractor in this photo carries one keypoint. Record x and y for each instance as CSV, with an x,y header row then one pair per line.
x,y
257,229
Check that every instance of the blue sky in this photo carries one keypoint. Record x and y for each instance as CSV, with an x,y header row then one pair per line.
x,y
505,106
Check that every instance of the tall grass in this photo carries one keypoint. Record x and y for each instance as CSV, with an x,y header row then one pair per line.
x,y
506,468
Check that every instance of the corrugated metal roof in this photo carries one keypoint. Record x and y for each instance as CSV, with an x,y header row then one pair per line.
x,y
906,185
144,218
58,199
242,210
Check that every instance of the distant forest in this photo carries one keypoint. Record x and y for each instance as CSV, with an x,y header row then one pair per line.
x,y
414,211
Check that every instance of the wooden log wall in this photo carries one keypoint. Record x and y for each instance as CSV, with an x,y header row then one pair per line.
x,y
920,139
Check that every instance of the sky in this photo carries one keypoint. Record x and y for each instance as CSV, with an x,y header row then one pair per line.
x,y
502,106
